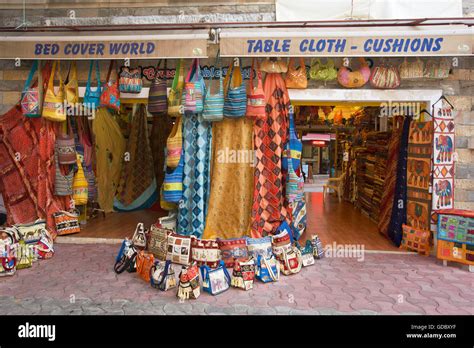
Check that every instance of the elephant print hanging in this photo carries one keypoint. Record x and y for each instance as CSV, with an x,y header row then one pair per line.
x,y
443,158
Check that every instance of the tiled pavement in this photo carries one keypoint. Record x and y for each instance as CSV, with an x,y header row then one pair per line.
x,y
80,280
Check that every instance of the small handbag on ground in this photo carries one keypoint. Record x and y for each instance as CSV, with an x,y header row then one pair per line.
x,y
130,80
179,249
67,222
31,233
205,252
162,276
296,78
235,100
158,96
267,269
30,96
139,238
260,246
145,262
92,97
175,106
44,248
110,97
194,89
233,249
318,249
126,258
189,287
7,262
255,95
53,106
215,281
158,241
243,274
307,256
214,103
292,261
24,255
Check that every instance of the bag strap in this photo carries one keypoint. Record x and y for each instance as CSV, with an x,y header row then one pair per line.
x,y
269,268
191,72
226,273
33,69
216,63
178,73
228,77
302,65
111,65
291,64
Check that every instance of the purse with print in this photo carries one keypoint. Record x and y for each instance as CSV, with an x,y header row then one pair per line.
x,y
292,261
130,80
307,255
205,252
7,261
139,236
260,246
281,242
44,248
9,236
318,249
24,255
31,233
126,257
145,262
296,77
67,222
189,287
158,241
215,281
162,275
30,96
267,269
179,249
243,274
233,249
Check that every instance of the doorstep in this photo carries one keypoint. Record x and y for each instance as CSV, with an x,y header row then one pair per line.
x,y
86,240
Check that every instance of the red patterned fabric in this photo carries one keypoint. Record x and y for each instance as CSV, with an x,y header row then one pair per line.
x,y
270,136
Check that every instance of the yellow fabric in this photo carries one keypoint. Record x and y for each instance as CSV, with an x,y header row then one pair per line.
x,y
230,202
174,144
166,205
236,77
79,184
53,108
110,148
72,87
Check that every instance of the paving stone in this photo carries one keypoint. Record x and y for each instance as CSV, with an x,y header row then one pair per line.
x,y
281,310
263,311
241,309
219,310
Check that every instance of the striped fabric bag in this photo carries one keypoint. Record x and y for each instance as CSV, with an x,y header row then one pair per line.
x,y
293,148
174,99
157,97
235,101
214,103
62,183
173,183
194,89
174,144
130,80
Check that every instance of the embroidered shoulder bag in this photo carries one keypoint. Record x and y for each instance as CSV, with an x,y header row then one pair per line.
x,y
215,281
130,80
31,233
411,70
158,96
30,96
214,103
194,89
67,222
80,185
260,246
110,97
7,262
255,95
62,183
173,183
205,252
235,101
294,148
296,78
66,147
24,255
92,98
292,261
162,275
175,106
71,87
145,262
158,241
44,248
267,270
174,144
189,287
243,274
318,249
307,256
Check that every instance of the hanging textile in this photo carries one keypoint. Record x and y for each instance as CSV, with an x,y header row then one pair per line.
x,y
420,149
386,203
110,148
137,188
197,138
159,133
271,133
230,202
443,158
399,211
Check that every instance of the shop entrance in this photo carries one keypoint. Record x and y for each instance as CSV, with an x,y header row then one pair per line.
x,y
345,147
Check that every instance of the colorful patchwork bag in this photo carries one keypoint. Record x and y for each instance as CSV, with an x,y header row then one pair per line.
x,y
293,148
235,101
307,255
162,276
175,106
194,89
214,103
296,78
7,262
30,103
158,241
243,274
80,185
233,249
110,97
205,252
318,249
173,183
385,77
31,233
53,106
215,281
130,80
139,238
24,255
255,95
92,98
174,144
67,222
267,270
260,246
189,287
179,249
417,240
145,262
158,96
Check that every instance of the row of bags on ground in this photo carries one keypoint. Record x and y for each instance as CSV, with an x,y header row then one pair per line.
x,y
152,253
23,244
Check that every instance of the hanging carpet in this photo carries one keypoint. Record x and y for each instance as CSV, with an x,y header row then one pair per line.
x,y
137,187
268,210
110,148
230,202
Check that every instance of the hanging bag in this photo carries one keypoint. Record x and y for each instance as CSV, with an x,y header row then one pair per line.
x,y
30,96
411,70
62,182
354,79
274,65
437,69
79,185
66,147
157,96
110,96
296,77
235,100
255,95
215,281
322,72
92,98
194,89
175,106
162,276
53,106
130,80
385,77
293,148
173,182
294,185
214,103
71,87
